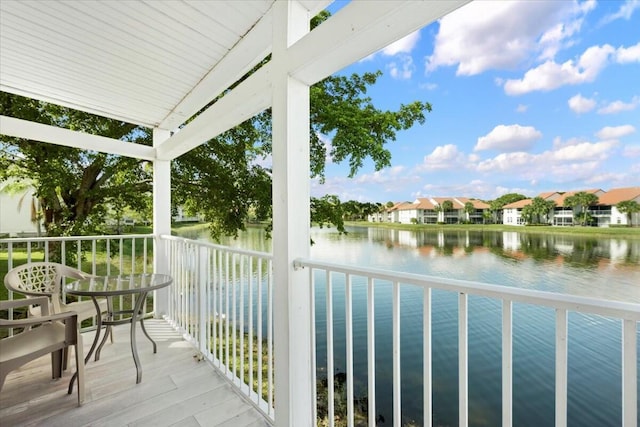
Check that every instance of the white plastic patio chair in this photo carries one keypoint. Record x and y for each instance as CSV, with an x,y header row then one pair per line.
x,y
41,335
36,279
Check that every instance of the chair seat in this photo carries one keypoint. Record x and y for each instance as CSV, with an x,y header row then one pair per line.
x,y
41,340
36,337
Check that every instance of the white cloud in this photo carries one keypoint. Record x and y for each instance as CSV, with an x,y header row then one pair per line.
x,y
619,106
444,157
551,75
521,108
428,86
403,68
625,12
396,178
507,34
559,142
559,36
629,54
615,132
567,163
509,138
608,180
404,45
579,104
631,150
583,151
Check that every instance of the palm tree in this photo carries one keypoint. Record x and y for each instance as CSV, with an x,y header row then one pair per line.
x,y
581,200
537,210
629,207
447,205
469,209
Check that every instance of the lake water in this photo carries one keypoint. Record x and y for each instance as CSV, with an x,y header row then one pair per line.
x,y
596,267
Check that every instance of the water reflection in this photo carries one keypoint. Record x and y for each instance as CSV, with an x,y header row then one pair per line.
x,y
587,266
575,250
598,267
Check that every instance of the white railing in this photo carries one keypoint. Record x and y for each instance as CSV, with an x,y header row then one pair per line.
x,y
222,300
100,255
324,275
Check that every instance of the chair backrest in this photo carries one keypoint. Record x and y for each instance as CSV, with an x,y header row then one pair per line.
x,y
41,278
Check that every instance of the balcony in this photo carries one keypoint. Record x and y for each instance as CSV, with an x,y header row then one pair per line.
x,y
220,308
250,315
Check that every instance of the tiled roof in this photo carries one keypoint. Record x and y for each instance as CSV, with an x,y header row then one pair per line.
x,y
617,195
478,204
404,206
560,200
517,205
552,195
424,203
440,200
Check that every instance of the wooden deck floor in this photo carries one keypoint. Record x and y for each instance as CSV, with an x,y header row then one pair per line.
x,y
176,389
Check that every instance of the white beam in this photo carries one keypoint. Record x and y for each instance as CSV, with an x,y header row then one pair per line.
x,y
19,128
245,101
291,238
358,30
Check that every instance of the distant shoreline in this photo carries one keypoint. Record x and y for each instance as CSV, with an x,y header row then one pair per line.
x,y
629,233
609,232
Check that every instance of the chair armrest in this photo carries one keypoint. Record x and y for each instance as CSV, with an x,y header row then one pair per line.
x,y
39,300
29,293
32,321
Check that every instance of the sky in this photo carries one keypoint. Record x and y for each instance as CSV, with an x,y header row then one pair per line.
x,y
527,97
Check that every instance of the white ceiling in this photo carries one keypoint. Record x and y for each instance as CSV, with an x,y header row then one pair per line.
x,y
132,60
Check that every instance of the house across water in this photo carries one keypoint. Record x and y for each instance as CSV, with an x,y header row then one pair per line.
x,y
456,210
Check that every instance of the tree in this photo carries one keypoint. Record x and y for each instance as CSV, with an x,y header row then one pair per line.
x,y
486,216
581,200
629,207
225,180
74,187
469,209
538,211
445,207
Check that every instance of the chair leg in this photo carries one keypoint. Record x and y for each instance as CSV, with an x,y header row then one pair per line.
x,y
65,359
57,359
3,375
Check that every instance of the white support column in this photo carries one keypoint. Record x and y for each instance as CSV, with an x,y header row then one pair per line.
x,y
291,239
161,219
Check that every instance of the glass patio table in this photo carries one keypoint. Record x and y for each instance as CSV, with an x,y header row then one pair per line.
x,y
109,287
